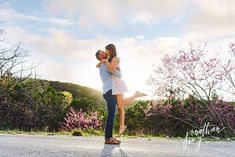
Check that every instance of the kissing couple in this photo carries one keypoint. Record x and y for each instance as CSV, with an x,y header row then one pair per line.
x,y
113,88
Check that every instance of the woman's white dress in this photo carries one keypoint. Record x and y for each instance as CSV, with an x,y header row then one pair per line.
x,y
118,84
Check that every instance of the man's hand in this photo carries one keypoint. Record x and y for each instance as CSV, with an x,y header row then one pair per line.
x,y
104,61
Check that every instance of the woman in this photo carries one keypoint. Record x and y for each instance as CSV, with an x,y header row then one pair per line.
x,y
118,85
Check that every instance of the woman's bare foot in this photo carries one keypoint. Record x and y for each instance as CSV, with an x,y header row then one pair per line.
x,y
140,94
121,130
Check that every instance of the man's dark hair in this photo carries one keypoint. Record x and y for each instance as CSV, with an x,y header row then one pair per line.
x,y
97,54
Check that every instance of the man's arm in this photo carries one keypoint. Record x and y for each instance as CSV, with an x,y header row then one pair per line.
x,y
98,65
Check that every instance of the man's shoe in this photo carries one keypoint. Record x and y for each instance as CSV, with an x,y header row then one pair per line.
x,y
111,141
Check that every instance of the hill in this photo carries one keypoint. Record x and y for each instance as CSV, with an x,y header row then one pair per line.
x,y
79,91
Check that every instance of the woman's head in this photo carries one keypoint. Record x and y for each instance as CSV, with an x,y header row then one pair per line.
x,y
111,51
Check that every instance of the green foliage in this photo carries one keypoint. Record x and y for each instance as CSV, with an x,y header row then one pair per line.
x,y
51,106
86,132
135,118
68,96
83,104
77,132
32,105
80,92
92,131
116,123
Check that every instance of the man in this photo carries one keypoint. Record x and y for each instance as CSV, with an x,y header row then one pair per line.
x,y
110,99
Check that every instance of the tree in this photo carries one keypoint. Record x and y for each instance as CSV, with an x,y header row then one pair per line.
x,y
194,73
13,71
228,70
188,72
25,102
13,68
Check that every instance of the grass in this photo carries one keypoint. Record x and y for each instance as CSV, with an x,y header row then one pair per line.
x,y
75,132
16,131
94,132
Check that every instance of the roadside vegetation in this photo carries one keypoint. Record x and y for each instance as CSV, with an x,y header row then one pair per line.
x,y
189,84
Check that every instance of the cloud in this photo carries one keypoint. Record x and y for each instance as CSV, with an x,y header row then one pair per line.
x,y
145,18
112,12
60,43
90,12
57,42
61,56
8,14
60,22
212,19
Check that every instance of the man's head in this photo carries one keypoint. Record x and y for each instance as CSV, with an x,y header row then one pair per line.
x,y
101,55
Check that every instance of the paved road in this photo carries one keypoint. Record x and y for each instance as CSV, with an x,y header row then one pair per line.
x,y
69,146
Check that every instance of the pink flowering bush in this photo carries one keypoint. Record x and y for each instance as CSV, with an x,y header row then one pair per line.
x,y
81,120
173,117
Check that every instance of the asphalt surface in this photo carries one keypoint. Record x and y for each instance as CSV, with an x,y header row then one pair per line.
x,y
70,146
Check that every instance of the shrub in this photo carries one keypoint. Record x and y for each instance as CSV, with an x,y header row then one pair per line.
x,y
33,105
176,117
83,104
79,119
77,132
135,118
93,131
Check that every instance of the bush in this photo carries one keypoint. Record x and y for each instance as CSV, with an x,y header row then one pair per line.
x,y
77,132
93,131
81,120
33,105
83,104
175,117
135,118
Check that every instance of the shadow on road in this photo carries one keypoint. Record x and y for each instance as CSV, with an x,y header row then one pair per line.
x,y
109,149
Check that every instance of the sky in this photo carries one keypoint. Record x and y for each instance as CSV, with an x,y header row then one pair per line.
x,y
62,36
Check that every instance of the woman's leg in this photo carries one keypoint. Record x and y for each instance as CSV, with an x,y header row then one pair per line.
x,y
129,100
121,111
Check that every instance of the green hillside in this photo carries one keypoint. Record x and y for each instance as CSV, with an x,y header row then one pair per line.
x,y
79,91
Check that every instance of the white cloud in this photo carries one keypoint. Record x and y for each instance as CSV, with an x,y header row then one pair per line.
x,y
61,56
57,42
146,18
112,12
212,19
206,19
90,11
8,14
60,22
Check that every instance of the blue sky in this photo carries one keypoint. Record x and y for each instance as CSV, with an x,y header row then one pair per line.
x,y
63,35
